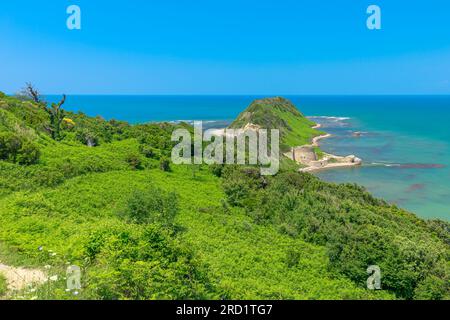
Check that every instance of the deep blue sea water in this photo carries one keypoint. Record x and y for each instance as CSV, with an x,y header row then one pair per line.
x,y
405,141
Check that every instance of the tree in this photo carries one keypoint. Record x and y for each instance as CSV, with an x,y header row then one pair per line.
x,y
57,115
31,92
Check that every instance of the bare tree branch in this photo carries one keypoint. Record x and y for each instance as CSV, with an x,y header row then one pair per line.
x,y
57,115
31,92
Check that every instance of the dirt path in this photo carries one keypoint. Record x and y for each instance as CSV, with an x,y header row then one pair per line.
x,y
20,278
315,141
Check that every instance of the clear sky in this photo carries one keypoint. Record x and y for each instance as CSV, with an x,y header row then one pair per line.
x,y
226,47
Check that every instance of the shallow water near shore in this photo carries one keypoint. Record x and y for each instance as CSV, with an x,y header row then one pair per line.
x,y
404,140
409,171
404,144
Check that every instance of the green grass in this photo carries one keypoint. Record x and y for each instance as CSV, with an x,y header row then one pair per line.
x,y
236,250
3,285
301,132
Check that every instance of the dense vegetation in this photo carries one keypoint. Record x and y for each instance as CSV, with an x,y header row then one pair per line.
x,y
104,196
356,229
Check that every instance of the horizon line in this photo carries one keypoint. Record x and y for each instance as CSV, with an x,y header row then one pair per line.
x,y
241,94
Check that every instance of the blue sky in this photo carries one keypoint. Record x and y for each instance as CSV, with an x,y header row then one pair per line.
x,y
226,47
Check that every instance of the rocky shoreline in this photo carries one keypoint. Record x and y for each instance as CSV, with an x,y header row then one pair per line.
x,y
306,155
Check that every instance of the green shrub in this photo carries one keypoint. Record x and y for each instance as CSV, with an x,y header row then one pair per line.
x,y
134,160
164,164
9,146
144,265
157,136
216,169
16,149
433,288
151,206
148,151
28,154
241,185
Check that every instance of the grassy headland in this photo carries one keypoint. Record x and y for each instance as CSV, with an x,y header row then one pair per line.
x,y
279,113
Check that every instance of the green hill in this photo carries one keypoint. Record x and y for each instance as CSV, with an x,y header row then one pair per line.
x,y
143,228
279,113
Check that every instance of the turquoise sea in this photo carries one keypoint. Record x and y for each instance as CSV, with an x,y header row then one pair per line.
x,y
404,142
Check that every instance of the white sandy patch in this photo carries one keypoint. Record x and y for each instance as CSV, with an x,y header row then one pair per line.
x,y
20,278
